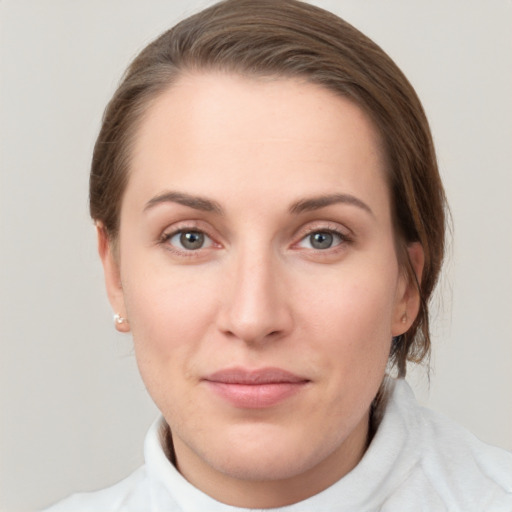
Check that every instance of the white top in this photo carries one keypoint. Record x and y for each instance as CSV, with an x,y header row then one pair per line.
x,y
417,461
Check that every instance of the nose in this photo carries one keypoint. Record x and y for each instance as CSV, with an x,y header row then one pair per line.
x,y
255,306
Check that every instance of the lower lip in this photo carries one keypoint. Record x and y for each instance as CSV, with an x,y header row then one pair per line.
x,y
256,396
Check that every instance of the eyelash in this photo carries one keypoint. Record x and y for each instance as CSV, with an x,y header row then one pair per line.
x,y
188,253
343,238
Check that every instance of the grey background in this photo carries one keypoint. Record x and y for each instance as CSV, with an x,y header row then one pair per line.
x,y
73,411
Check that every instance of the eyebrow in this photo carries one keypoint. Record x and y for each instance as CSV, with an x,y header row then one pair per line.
x,y
196,202
302,206
315,203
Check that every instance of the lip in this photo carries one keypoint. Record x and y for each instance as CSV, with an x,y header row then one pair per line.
x,y
255,389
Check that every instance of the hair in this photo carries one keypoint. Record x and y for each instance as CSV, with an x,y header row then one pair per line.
x,y
292,39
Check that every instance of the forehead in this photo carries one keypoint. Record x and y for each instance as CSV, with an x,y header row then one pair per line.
x,y
213,131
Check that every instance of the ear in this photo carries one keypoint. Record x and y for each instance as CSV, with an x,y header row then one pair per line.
x,y
112,278
407,304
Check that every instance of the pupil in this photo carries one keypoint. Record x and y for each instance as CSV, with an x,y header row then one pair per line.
x,y
321,240
192,240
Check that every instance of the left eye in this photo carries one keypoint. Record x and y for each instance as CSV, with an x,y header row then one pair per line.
x,y
190,240
321,240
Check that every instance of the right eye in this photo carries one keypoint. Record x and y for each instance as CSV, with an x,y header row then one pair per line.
x,y
188,240
323,239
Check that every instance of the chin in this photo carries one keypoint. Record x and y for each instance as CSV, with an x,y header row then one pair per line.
x,y
271,466
267,453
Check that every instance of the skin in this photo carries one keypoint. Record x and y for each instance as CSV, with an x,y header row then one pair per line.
x,y
258,294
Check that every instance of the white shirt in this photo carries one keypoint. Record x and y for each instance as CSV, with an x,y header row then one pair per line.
x,y
417,461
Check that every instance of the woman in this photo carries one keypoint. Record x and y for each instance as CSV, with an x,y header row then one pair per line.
x,y
271,225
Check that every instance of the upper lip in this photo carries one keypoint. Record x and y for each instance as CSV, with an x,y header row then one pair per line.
x,y
254,377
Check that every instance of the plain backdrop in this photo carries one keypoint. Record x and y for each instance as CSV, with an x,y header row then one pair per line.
x,y
73,409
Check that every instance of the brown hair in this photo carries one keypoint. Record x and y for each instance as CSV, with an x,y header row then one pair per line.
x,y
291,39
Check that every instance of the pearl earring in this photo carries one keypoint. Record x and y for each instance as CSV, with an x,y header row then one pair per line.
x,y
118,319
404,318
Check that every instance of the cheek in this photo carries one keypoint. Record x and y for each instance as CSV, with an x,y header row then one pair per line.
x,y
355,303
169,313
351,316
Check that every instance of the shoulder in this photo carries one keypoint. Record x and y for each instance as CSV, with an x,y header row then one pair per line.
x,y
128,495
459,465
458,469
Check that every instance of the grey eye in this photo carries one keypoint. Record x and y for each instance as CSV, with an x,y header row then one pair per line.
x,y
321,240
190,240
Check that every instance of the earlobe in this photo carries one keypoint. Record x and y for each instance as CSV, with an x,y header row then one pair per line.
x,y
409,299
112,278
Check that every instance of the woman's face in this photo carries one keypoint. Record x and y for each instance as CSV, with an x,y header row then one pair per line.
x,y
258,272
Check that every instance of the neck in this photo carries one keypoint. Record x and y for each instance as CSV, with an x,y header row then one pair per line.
x,y
273,493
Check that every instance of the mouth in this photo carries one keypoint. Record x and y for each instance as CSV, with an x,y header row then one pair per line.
x,y
255,389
